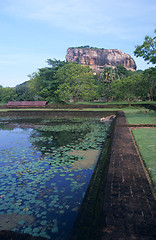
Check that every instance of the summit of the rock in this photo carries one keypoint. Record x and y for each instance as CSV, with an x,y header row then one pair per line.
x,y
98,59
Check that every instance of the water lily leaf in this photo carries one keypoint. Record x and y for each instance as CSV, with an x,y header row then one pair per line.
x,y
28,230
54,229
21,222
38,175
61,211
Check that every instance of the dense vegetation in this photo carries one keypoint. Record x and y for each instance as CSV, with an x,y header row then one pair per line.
x,y
67,81
87,47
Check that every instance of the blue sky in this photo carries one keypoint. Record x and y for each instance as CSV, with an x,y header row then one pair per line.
x,y
32,31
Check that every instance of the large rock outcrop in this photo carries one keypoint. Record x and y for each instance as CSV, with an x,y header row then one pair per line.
x,y
97,59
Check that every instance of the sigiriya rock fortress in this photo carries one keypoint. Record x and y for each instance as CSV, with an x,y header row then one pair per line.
x,y
98,59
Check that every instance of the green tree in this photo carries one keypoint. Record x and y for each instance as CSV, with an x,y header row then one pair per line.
x,y
129,88
7,94
76,83
23,92
44,83
36,85
147,50
100,86
109,75
149,77
116,89
122,72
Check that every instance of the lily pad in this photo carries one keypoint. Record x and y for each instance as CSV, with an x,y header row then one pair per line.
x,y
40,173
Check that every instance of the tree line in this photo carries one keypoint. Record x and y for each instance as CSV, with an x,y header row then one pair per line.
x,y
64,81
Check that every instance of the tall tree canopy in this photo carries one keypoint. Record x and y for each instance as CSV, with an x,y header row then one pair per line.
x,y
128,88
108,76
149,78
147,50
64,81
23,92
44,83
77,82
7,94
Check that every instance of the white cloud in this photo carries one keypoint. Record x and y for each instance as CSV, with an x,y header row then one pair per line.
x,y
114,24
99,17
122,19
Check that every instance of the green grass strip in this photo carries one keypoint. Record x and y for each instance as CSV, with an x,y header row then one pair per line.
x,y
146,142
140,116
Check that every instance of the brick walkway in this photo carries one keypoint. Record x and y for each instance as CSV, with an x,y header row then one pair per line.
x,y
129,207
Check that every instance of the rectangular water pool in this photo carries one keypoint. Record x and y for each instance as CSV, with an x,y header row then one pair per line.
x,y
45,168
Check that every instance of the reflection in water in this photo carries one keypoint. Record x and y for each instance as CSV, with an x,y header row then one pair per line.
x,y
47,166
90,158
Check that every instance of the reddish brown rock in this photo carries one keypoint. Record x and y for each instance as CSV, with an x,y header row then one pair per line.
x,y
97,59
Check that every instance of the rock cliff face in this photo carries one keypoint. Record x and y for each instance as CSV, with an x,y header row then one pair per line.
x,y
97,59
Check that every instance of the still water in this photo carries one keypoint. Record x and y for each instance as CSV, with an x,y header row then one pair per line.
x,y
45,169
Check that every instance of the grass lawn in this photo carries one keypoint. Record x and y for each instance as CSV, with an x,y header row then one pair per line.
x,y
134,115
113,103
146,142
140,116
145,137
28,109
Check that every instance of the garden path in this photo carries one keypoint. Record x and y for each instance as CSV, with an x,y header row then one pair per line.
x,y
129,207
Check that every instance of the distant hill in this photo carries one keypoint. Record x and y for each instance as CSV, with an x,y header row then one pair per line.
x,y
99,58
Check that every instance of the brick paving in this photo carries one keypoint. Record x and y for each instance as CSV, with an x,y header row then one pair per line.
x,y
129,208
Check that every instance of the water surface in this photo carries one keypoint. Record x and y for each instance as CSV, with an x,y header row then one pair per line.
x,y
45,169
